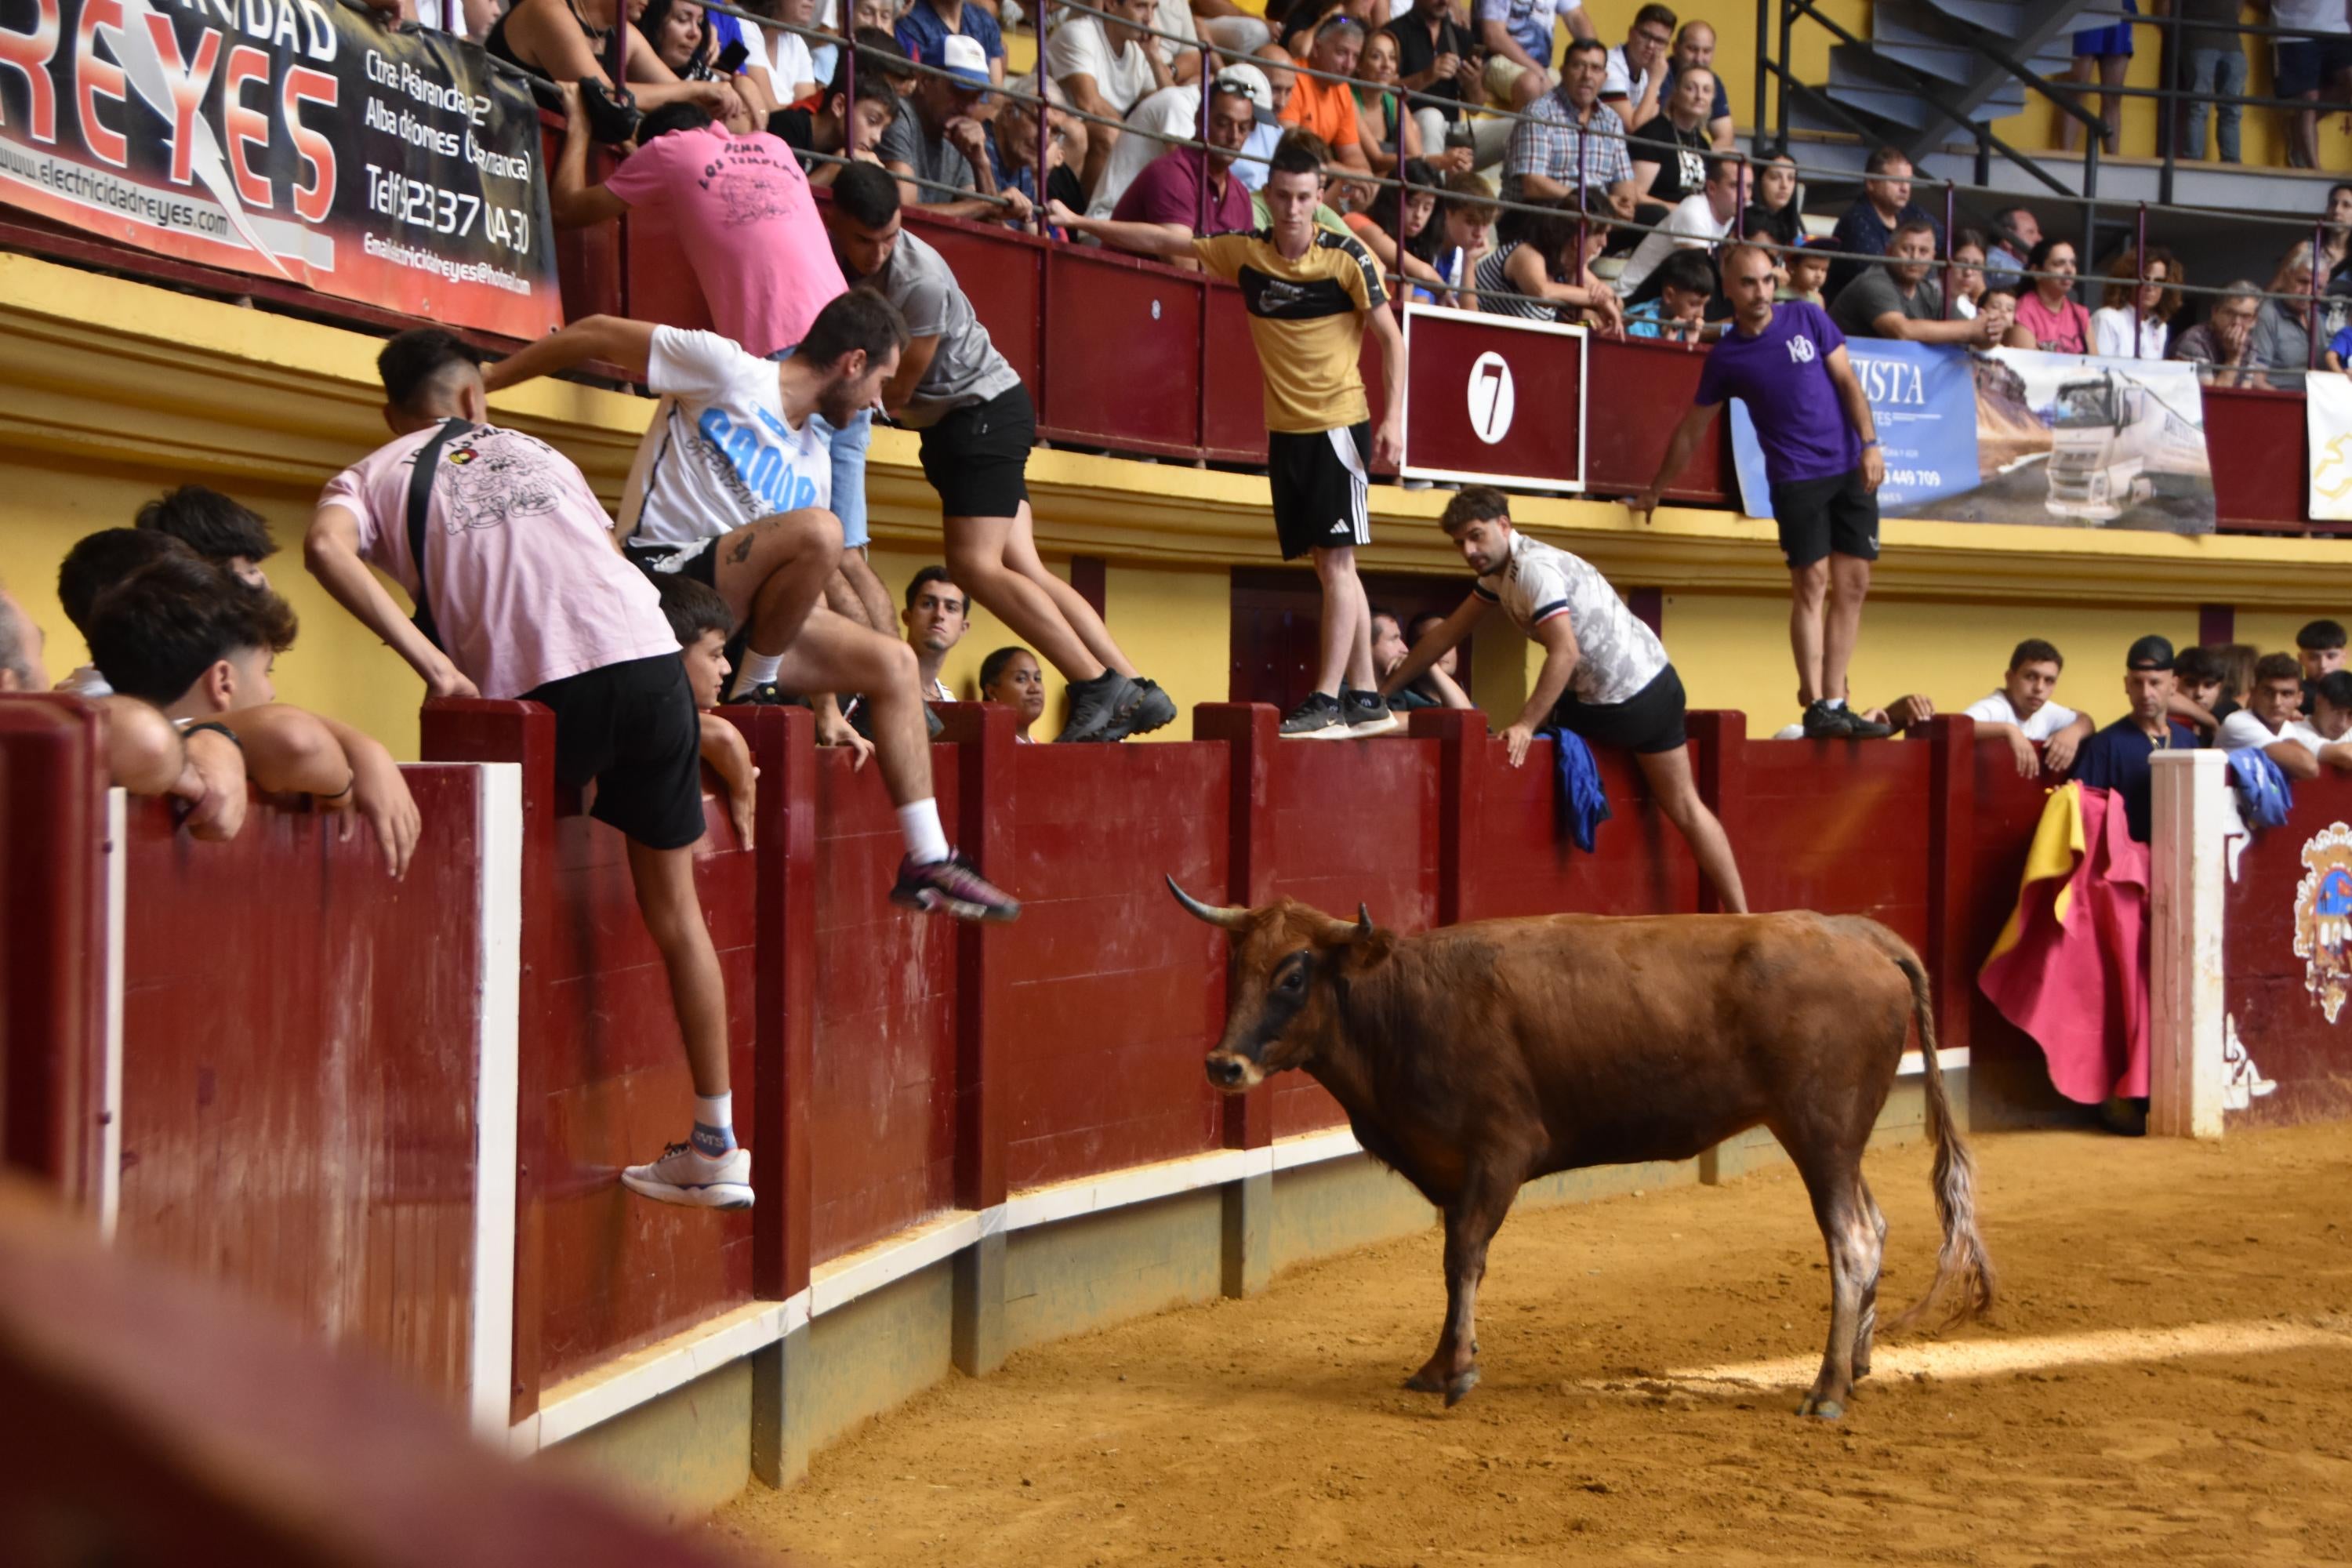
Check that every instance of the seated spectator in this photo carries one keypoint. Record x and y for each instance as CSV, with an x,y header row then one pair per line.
x,y
681,37
97,563
2117,757
145,753
2319,651
1107,66
937,615
1998,310
1436,65
937,146
2021,713
2222,347
1539,271
1175,37
2047,311
1695,50
2113,325
1013,144
1234,31
197,644
1451,245
230,536
1636,83
1964,273
1012,675
1188,191
1517,36
1671,148
926,25
1700,221
1772,214
786,57
1173,114
1571,140
1402,243
1898,300
867,18
1387,134
1329,107
702,624
556,40
1678,312
1868,226
2015,231
1808,273
2272,723
2281,343
834,127
1435,686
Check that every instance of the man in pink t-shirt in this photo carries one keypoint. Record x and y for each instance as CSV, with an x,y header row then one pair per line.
x,y
740,208
525,592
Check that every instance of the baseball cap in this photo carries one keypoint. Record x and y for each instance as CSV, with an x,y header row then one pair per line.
x,y
2149,653
961,59
1247,81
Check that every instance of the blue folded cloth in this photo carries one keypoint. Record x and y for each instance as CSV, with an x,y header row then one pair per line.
x,y
1579,804
2263,795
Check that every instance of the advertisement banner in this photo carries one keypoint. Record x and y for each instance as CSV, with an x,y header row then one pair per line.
x,y
2327,416
2019,436
300,140
1925,408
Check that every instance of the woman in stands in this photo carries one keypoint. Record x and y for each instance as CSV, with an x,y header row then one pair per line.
x,y
569,40
1377,224
1539,273
1386,131
1964,277
1010,676
1773,216
691,43
2048,308
2112,326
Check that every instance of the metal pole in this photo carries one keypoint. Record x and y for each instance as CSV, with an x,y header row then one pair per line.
x,y
1201,185
1045,135
2311,301
1583,221
1951,247
849,90
1403,195
2169,105
1781,100
1763,34
2139,280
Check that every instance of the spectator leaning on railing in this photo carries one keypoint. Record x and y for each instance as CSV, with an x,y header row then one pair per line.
x,y
2021,712
2116,758
678,33
938,145
1677,311
2113,327
2221,345
1570,142
230,535
1012,144
834,126
1868,226
1541,270
977,426
1012,675
2272,723
1899,299
937,615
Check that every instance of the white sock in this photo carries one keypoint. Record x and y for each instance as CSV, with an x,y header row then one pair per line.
x,y
759,670
919,825
1832,703
714,1124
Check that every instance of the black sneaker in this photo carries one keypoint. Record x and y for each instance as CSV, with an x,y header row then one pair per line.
x,y
1151,709
1096,705
950,886
1863,728
1316,719
765,695
1368,713
1823,722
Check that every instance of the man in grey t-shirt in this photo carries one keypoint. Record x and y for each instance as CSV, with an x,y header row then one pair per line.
x,y
1896,300
977,426
936,139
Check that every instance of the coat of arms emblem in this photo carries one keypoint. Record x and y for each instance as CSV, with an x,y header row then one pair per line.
x,y
2323,918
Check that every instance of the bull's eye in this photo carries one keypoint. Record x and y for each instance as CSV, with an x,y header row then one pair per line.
x,y
1295,978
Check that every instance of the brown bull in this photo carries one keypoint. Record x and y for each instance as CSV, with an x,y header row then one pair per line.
x,y
1476,1058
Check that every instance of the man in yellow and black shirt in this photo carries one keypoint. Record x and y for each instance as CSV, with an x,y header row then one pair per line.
x,y
1311,295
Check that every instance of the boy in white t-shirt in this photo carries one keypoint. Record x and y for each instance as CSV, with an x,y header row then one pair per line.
x,y
1605,674
735,458
2020,712
2271,722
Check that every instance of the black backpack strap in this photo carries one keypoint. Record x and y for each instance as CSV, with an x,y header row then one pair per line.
x,y
420,502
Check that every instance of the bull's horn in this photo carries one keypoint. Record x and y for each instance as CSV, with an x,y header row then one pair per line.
x,y
1363,920
1231,919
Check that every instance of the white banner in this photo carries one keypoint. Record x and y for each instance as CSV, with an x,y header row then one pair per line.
x,y
2327,400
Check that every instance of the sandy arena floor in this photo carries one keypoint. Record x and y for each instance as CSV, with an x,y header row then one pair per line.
x,y
2169,1378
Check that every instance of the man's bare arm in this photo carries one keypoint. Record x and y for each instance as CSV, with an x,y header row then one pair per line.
x,y
1447,633
331,550
615,340
1163,240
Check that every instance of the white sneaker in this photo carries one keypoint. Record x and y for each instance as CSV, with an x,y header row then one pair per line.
x,y
686,1175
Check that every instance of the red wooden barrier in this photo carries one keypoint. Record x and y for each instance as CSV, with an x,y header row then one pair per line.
x,y
2292,886
52,941
326,1164
1835,827
2008,810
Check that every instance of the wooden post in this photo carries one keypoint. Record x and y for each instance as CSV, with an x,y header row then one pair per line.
x,y
1250,731
1720,735
1951,872
1461,737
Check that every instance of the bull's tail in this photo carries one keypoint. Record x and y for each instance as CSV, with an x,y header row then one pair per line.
x,y
1964,1274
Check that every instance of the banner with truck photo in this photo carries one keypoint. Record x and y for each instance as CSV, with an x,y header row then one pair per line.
x,y
2019,436
300,140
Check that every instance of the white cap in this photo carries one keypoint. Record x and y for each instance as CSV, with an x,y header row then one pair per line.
x,y
1248,81
961,57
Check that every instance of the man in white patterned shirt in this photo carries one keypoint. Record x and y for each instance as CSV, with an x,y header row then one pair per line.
x,y
1605,675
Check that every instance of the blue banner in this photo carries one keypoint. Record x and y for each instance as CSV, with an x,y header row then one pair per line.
x,y
1924,398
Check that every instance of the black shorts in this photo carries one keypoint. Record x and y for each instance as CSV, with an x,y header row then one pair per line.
x,y
1648,722
1835,516
697,560
977,457
2307,64
1319,480
632,729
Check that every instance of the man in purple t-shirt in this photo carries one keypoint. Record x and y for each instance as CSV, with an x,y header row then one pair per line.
x,y
1788,364
1168,192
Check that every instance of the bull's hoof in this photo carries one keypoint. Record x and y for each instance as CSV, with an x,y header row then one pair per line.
x,y
1457,1389
1425,1380
1827,1409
